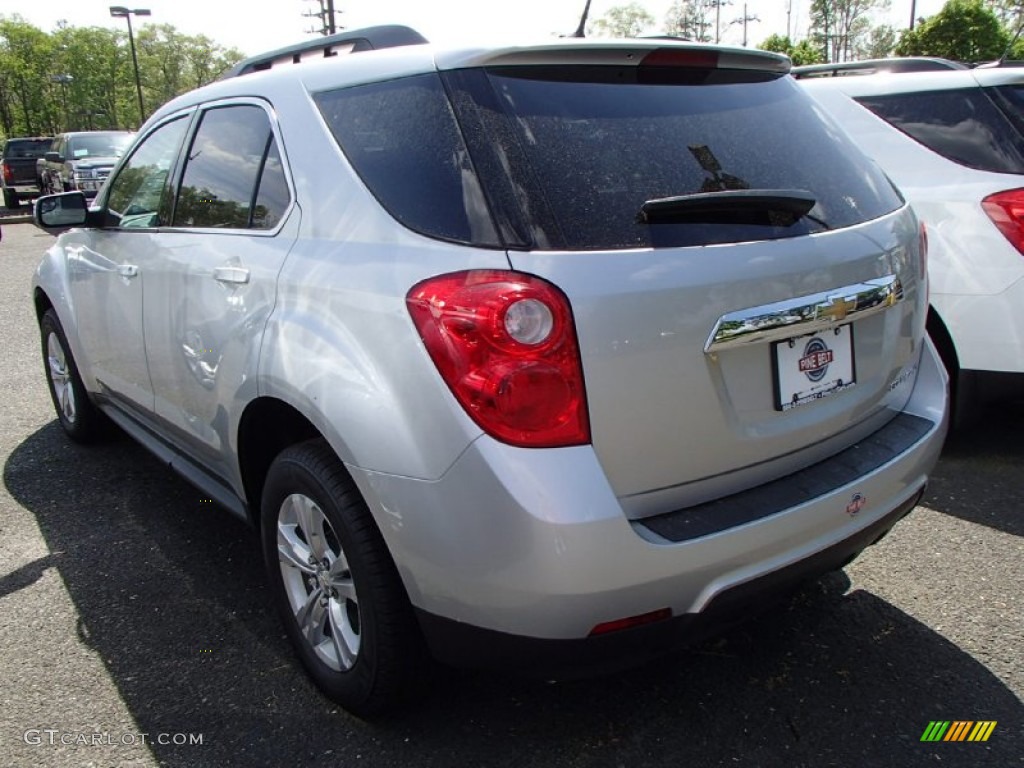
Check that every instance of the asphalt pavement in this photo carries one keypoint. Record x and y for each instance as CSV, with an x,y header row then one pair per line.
x,y
135,630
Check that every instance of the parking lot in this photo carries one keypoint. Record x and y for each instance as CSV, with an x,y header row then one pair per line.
x,y
136,630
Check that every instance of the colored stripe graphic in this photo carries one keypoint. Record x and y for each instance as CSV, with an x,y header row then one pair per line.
x,y
982,730
958,730
935,731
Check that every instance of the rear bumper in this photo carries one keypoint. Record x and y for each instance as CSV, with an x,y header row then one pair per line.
x,y
463,645
23,190
518,552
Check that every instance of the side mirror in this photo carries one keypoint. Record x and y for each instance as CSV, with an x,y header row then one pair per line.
x,y
61,211
53,157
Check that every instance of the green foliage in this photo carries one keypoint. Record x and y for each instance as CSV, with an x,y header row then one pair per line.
x,y
630,20
878,43
964,30
81,78
692,20
802,53
838,27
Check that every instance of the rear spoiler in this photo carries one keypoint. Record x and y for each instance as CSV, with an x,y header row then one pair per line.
x,y
351,41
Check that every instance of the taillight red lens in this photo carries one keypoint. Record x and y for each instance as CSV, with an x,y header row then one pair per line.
x,y
8,173
505,344
1006,209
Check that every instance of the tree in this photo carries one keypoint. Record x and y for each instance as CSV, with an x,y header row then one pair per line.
x,y
25,53
1009,12
878,43
81,78
691,19
802,53
838,26
964,30
630,20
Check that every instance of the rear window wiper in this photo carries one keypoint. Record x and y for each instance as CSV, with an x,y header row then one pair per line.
x,y
762,207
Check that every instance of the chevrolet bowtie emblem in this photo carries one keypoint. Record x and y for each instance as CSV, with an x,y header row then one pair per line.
x,y
836,310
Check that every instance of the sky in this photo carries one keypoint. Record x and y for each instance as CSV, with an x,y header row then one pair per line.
x,y
255,26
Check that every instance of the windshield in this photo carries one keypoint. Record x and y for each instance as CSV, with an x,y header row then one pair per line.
x,y
100,145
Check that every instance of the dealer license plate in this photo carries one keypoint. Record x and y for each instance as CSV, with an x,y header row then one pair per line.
x,y
809,368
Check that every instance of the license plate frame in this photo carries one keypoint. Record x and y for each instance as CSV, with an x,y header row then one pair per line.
x,y
812,367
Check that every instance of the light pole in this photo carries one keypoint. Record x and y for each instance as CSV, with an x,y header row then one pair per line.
x,y
119,11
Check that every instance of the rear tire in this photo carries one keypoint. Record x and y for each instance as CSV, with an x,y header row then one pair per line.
x,y
340,597
79,418
11,200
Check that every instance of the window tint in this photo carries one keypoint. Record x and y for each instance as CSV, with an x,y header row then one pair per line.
x,y
136,191
1011,99
272,197
586,147
221,187
962,125
402,139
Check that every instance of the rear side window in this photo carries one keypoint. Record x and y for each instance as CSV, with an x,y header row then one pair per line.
x,y
233,175
402,139
962,125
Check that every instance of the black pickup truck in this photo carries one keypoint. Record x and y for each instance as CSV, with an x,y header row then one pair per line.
x,y
18,177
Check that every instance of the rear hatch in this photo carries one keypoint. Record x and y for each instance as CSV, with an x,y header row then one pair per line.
x,y
744,283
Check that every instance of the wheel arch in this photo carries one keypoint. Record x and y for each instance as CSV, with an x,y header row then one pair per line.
x,y
267,427
943,341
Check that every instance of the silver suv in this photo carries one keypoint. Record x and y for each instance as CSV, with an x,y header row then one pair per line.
x,y
548,357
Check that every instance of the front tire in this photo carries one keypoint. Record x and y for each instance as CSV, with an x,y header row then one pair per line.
x,y
337,590
78,417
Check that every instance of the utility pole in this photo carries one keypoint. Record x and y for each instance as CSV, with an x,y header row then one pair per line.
x,y
743,20
326,14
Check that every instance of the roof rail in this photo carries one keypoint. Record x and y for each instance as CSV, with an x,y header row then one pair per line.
x,y
350,41
871,66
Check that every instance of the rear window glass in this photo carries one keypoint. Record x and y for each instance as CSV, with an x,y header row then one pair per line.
x,y
593,144
565,157
962,125
27,148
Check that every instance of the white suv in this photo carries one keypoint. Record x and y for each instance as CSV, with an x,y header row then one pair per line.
x,y
551,356
953,141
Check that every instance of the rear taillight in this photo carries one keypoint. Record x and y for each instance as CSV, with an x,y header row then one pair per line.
x,y
1006,209
8,173
505,343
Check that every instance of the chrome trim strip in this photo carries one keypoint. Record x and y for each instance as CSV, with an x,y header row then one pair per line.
x,y
804,315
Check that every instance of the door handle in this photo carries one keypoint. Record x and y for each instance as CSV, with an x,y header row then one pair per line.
x,y
231,275
127,270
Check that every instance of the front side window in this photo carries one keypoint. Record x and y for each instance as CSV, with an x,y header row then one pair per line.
x,y
233,177
962,125
137,190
